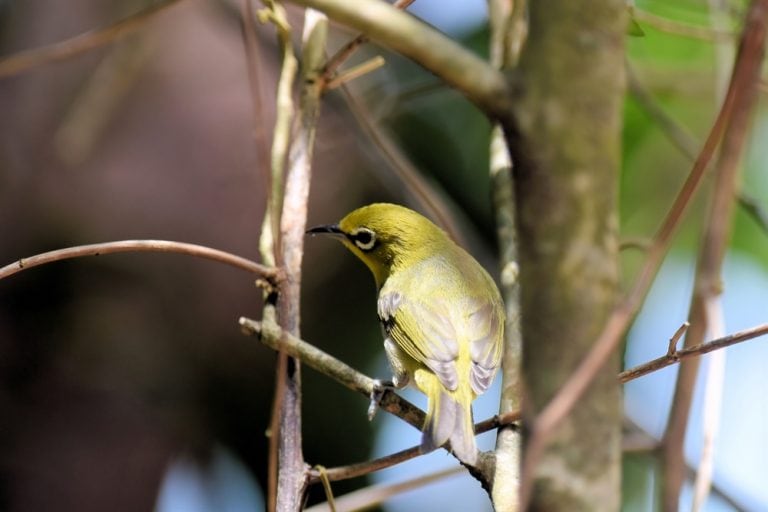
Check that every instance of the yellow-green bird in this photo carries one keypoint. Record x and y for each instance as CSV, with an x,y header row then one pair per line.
x,y
442,314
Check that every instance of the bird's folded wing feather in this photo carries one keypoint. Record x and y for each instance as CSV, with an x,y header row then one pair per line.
x,y
430,334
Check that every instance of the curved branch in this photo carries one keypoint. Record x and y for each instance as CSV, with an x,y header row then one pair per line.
x,y
25,60
270,273
480,82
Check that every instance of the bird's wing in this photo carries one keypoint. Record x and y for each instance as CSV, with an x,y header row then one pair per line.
x,y
406,320
486,333
438,330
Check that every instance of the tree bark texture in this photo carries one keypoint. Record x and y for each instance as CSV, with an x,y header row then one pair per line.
x,y
566,148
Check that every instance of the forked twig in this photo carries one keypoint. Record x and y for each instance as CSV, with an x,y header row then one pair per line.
x,y
698,350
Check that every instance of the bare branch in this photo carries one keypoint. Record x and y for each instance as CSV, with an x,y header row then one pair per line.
x,y
269,273
423,191
637,440
708,282
740,91
378,494
754,210
277,338
346,51
286,443
258,100
679,28
685,142
672,347
485,86
23,61
695,351
356,72
364,468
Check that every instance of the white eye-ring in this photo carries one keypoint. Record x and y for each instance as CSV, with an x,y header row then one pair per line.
x,y
364,238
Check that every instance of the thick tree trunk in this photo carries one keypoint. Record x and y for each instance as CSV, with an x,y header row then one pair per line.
x,y
567,157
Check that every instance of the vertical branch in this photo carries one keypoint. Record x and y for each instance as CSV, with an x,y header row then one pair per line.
x,y
715,241
713,400
713,394
270,233
566,156
293,473
285,406
255,70
508,31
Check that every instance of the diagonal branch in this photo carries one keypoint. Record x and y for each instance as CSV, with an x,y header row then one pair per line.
x,y
676,356
739,93
346,51
708,283
23,61
480,82
369,497
276,338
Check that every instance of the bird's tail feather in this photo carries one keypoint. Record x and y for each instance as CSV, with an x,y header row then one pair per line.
x,y
449,420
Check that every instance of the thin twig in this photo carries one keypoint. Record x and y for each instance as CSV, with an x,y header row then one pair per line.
x,y
755,210
485,86
378,494
698,350
678,135
364,468
746,67
423,191
269,273
713,307
367,467
672,347
637,440
713,401
330,500
679,28
23,61
683,140
98,99
346,51
258,102
356,72
708,282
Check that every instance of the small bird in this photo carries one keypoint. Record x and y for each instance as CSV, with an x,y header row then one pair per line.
x,y
442,314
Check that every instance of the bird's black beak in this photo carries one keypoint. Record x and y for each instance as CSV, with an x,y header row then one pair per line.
x,y
333,229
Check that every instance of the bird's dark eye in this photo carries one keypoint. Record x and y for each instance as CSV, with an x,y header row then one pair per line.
x,y
364,238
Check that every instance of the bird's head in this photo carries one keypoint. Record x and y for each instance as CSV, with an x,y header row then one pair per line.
x,y
386,236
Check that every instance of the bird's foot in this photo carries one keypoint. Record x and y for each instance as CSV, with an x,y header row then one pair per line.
x,y
377,393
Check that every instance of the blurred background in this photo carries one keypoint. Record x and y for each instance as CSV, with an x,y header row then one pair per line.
x,y
125,383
